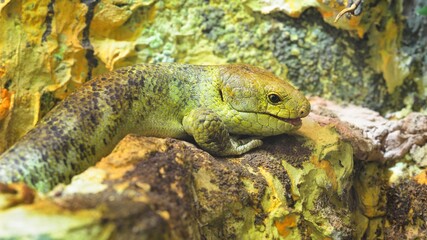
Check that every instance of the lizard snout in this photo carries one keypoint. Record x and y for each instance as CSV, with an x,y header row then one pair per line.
x,y
304,110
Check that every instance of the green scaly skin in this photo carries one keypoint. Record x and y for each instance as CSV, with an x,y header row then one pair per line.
x,y
212,104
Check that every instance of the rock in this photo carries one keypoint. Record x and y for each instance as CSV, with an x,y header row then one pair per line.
x,y
295,185
373,137
304,185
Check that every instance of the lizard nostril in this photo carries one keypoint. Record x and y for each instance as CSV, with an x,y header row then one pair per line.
x,y
304,111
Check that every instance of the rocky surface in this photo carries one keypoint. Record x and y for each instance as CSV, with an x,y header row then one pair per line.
x,y
307,185
373,137
295,185
376,59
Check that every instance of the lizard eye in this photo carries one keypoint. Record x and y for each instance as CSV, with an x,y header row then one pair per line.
x,y
274,98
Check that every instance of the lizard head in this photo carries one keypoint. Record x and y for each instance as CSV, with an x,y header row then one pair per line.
x,y
259,102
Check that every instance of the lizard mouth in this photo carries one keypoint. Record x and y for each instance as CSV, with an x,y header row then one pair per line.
x,y
293,121
296,122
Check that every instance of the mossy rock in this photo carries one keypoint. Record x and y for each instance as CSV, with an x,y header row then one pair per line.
x,y
295,186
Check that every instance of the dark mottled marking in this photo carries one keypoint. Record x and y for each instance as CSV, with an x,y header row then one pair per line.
x,y
57,160
132,82
148,102
20,171
94,119
44,157
92,149
73,165
33,180
95,86
82,148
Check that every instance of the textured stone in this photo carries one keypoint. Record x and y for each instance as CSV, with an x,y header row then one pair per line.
x,y
295,185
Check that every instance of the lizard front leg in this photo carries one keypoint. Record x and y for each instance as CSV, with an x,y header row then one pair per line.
x,y
211,134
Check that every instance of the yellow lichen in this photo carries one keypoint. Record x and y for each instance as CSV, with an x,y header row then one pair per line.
x,y
387,58
421,178
285,226
329,170
111,51
47,217
324,136
290,7
109,17
371,200
5,104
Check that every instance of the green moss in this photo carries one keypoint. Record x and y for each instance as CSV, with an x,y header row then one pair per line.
x,y
316,57
329,63
213,25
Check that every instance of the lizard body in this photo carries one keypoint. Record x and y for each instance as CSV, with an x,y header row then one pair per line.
x,y
212,104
